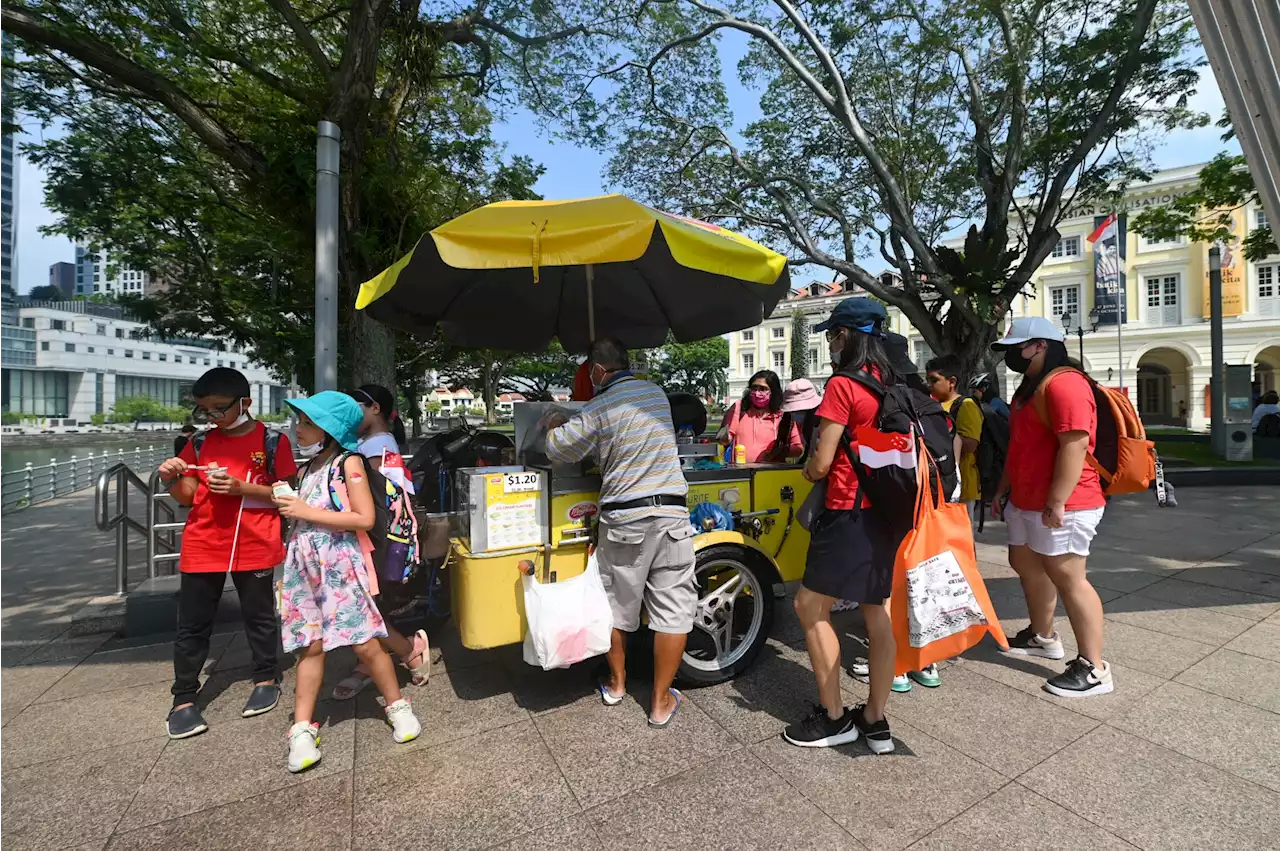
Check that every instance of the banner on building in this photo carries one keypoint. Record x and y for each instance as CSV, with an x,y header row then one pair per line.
x,y
1110,296
1233,269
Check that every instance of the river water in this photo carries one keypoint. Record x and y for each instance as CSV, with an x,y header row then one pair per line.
x,y
17,457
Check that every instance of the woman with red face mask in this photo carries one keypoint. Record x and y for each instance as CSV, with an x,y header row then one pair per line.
x,y
753,421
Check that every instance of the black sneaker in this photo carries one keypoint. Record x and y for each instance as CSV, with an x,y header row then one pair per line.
x,y
186,722
877,735
261,699
819,731
1028,643
1081,679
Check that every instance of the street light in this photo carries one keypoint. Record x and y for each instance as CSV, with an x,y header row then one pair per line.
x,y
1093,326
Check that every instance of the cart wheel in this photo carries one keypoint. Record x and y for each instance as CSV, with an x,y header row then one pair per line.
x,y
735,614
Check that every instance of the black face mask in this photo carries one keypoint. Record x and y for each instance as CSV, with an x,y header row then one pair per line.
x,y
1015,361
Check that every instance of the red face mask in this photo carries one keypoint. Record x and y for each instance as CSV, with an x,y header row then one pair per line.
x,y
760,398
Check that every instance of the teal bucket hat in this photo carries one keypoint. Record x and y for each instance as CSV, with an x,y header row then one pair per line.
x,y
337,413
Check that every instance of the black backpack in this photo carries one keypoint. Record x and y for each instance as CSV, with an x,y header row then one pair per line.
x,y
1268,426
892,489
395,533
270,443
993,449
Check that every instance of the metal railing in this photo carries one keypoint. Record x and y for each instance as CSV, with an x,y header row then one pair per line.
x,y
122,521
32,485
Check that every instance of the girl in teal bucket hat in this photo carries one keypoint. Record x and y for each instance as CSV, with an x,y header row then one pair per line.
x,y
329,585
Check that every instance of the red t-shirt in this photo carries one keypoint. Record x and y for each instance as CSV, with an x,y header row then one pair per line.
x,y
1033,447
846,401
211,525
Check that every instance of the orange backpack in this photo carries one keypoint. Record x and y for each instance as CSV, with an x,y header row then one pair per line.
x,y
1123,457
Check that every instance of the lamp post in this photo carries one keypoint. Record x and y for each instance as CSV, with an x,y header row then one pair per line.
x,y
1093,326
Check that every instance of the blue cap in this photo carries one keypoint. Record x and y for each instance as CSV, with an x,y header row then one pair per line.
x,y
861,314
336,413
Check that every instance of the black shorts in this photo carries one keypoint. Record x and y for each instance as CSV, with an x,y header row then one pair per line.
x,y
850,556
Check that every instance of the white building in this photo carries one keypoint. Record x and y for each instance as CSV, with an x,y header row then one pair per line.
x,y
70,360
450,400
95,275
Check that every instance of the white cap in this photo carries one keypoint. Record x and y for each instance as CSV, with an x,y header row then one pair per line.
x,y
1026,328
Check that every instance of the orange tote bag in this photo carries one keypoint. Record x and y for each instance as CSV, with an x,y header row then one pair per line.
x,y
939,606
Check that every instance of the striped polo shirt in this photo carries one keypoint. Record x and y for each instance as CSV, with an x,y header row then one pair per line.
x,y
628,429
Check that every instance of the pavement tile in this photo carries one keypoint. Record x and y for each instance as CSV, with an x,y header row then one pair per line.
x,y
235,760
1016,817
1237,676
1206,626
133,666
55,730
1124,580
1240,739
697,811
452,706
310,816
65,647
476,793
76,800
608,751
1155,798
777,690
884,801
1227,601
1001,727
1156,653
1261,640
573,834
21,686
1237,580
549,691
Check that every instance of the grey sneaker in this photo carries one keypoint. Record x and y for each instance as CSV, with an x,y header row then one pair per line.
x,y
261,700
186,722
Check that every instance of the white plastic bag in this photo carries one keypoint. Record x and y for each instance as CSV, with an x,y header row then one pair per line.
x,y
569,620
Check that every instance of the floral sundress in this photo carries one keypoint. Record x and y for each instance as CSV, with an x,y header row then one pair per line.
x,y
327,594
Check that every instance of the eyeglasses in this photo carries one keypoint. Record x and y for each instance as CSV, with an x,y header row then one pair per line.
x,y
203,415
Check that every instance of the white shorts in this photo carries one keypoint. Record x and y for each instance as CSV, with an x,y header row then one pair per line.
x,y
1027,529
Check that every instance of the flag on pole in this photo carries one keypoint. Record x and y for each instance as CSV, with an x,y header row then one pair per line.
x,y
1106,230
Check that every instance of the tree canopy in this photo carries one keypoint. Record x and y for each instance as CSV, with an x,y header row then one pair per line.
x,y
700,367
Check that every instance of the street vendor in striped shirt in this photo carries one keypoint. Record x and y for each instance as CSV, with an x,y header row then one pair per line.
x,y
645,550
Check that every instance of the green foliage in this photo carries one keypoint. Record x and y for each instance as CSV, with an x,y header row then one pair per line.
x,y
277,417
433,407
143,409
98,419
884,125
46,292
1205,213
799,345
700,367
11,418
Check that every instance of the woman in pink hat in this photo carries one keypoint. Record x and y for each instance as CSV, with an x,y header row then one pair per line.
x,y
799,402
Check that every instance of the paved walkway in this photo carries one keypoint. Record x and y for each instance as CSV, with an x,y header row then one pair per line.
x,y
1185,754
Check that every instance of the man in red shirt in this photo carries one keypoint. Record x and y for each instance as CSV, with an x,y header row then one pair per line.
x,y
233,526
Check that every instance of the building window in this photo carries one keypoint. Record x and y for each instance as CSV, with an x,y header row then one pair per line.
x,y
206,361
1162,300
44,347
146,355
749,335
90,349
71,347
232,364
119,333
1068,246
98,381
1161,244
28,322
102,330
57,325
1268,297
779,362
41,393
923,354
1260,219
813,360
219,363
111,351
1065,300
748,362
128,353
779,333
813,327
164,356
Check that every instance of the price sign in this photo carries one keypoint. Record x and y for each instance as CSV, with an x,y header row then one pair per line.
x,y
521,482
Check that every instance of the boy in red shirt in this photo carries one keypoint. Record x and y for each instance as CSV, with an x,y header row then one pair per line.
x,y
233,526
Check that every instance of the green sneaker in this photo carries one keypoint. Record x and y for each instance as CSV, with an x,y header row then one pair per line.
x,y
928,677
901,684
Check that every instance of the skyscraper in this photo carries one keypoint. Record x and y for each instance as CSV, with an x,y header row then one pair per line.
x,y
94,275
8,178
63,276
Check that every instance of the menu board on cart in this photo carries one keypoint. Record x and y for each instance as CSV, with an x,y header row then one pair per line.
x,y
512,517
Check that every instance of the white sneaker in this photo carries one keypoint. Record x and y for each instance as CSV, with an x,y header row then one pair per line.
x,y
405,726
303,750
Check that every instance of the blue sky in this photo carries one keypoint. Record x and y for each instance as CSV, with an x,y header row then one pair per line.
x,y
572,171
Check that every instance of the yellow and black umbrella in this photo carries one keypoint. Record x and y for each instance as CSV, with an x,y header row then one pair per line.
x,y
515,274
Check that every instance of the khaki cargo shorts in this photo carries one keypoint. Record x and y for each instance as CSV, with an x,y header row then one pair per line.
x,y
649,562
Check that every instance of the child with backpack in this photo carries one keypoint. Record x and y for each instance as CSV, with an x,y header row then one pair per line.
x,y
381,434
1055,502
851,550
329,581
225,475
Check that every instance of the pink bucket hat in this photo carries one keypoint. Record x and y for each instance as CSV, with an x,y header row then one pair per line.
x,y
800,395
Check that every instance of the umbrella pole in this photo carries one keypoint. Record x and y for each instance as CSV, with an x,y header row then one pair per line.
x,y
591,304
